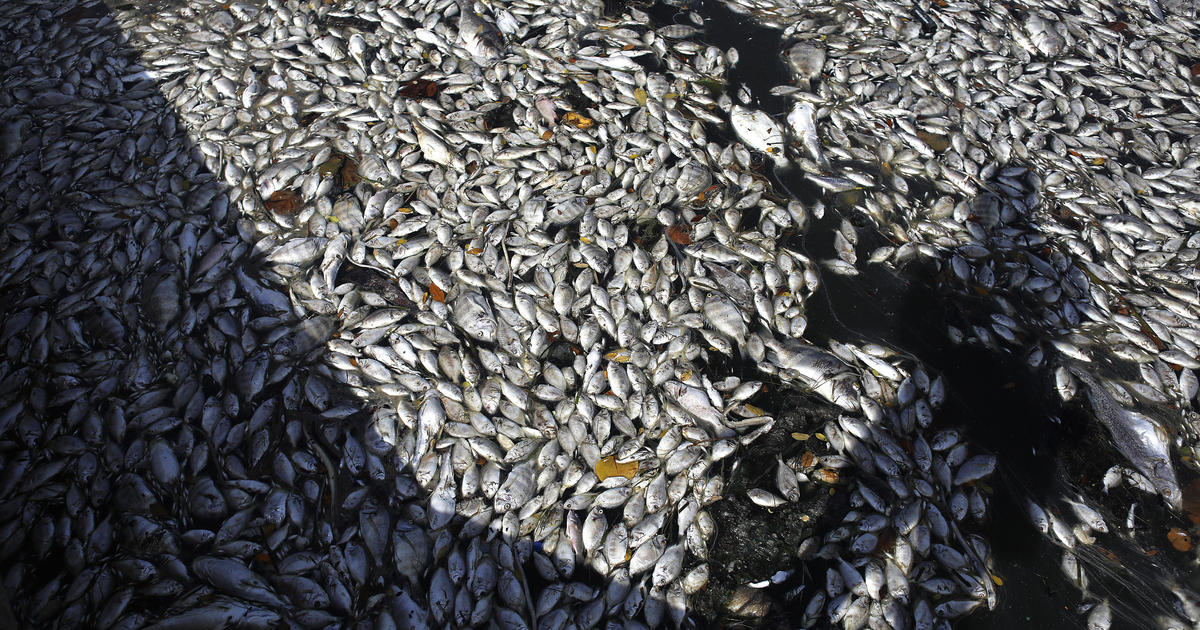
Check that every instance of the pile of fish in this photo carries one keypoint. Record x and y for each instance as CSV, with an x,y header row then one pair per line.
x,y
1058,149
420,313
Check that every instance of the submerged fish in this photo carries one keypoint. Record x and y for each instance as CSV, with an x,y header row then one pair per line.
x,y
1139,438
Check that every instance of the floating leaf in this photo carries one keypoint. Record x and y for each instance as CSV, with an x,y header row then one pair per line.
x,y
715,85
640,95
437,293
330,167
620,356
609,467
1117,27
826,475
1191,501
936,141
419,88
349,174
578,121
681,234
1180,540
546,135
284,202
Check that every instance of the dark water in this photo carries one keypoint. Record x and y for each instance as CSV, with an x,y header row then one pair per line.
x,y
1045,448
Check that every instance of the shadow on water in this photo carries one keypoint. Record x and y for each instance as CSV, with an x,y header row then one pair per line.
x,y
1045,448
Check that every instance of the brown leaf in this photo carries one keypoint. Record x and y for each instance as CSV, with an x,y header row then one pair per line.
x,y
330,167
680,233
419,88
1191,500
284,202
349,174
1117,27
609,467
437,293
936,141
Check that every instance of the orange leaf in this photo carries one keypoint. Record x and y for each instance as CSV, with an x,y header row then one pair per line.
x,y
827,475
1180,540
609,467
437,293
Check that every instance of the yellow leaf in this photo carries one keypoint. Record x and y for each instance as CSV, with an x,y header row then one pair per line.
x,y
620,356
640,95
800,436
578,121
609,467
